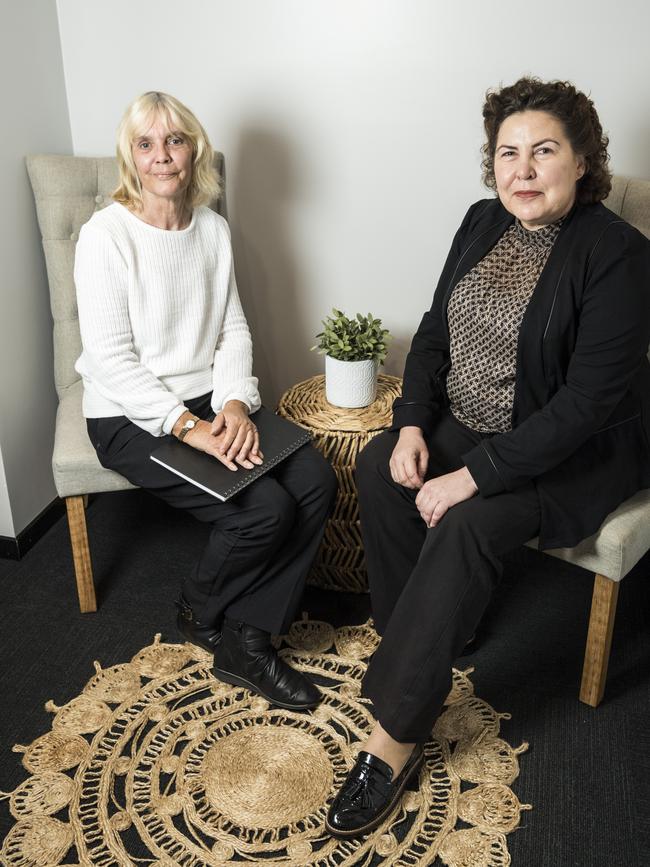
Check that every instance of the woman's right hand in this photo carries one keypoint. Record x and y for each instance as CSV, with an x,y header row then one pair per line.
x,y
202,438
410,458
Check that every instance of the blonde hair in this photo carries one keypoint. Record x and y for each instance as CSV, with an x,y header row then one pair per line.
x,y
205,184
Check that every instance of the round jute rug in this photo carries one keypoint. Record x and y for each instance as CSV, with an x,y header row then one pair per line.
x,y
157,763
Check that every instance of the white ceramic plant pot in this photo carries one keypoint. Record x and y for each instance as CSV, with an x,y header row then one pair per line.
x,y
350,383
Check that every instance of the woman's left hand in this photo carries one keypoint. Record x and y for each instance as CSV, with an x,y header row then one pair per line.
x,y
438,495
241,441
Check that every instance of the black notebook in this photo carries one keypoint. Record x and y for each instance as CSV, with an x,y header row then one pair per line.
x,y
279,438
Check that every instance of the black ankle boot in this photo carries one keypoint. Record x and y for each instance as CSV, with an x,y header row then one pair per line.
x,y
193,630
246,657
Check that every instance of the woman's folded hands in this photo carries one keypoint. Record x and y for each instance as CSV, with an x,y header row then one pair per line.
x,y
408,466
231,438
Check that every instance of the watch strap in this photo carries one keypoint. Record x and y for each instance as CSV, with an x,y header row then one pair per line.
x,y
188,425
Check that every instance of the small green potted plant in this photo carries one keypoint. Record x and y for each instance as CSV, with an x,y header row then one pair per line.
x,y
353,350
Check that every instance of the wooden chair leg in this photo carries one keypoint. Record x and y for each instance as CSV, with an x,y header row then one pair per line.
x,y
599,640
81,553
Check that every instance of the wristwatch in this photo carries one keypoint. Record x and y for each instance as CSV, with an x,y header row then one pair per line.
x,y
188,425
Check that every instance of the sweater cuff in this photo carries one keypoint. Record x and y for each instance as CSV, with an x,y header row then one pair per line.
x,y
173,417
483,470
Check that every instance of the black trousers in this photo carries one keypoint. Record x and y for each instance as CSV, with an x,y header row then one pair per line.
x,y
429,587
262,541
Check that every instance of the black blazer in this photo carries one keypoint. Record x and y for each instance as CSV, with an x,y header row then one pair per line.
x,y
581,413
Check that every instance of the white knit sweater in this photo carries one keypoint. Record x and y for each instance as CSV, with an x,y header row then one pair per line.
x,y
160,318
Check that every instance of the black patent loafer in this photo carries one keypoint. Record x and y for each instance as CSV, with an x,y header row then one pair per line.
x,y
369,794
193,630
245,657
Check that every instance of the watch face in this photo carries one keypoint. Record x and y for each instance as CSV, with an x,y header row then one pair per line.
x,y
189,425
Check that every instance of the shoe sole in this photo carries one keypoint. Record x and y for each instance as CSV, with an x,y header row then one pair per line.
x,y
358,832
235,680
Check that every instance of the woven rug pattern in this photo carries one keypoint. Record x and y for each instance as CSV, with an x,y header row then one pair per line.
x,y
157,756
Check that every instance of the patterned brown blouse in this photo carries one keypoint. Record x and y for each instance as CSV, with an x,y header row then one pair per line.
x,y
484,313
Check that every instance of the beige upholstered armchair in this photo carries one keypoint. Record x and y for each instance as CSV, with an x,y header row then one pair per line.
x,y
625,536
67,190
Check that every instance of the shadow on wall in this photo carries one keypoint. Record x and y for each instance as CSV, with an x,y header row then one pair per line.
x,y
261,188
397,351
639,135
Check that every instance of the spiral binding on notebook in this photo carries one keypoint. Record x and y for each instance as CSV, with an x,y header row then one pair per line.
x,y
254,474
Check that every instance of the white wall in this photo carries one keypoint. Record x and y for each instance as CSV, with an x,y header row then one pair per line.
x,y
34,119
351,130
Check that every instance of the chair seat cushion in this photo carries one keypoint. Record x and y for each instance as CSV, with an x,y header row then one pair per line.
x,y
619,544
74,462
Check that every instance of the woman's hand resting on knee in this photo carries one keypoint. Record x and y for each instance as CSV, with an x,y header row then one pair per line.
x,y
410,458
408,466
438,495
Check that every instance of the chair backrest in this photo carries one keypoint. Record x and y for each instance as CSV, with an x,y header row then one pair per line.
x,y
630,198
67,191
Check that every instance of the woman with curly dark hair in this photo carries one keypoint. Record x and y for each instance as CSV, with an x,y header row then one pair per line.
x,y
524,412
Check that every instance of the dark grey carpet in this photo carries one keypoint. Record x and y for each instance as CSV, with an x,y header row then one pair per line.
x,y
587,772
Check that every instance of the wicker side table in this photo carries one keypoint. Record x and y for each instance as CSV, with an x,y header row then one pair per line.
x,y
340,434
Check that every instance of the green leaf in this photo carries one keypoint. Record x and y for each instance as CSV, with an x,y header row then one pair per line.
x,y
356,339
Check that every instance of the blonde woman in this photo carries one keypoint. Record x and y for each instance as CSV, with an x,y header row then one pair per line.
x,y
167,353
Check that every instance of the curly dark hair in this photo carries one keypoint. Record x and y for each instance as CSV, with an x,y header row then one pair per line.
x,y
576,113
